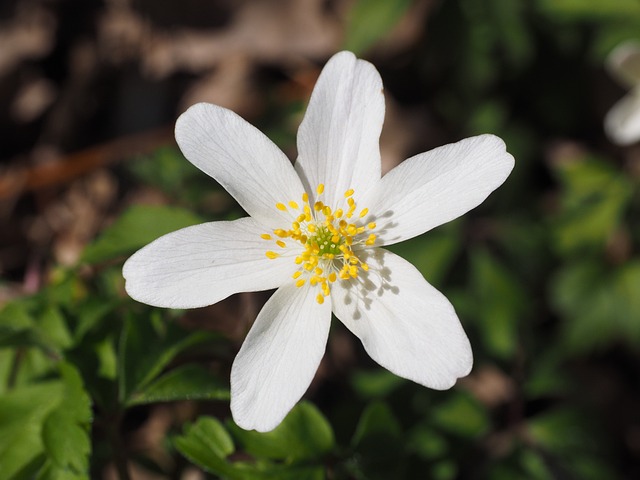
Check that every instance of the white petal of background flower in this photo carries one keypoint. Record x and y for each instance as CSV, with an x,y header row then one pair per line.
x,y
203,264
435,187
405,324
622,122
624,63
338,139
241,158
279,357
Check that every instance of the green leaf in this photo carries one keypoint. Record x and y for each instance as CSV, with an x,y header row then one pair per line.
x,y
594,199
598,305
189,382
207,444
303,434
499,302
462,415
137,227
591,9
572,442
22,412
54,326
146,348
378,443
369,20
18,328
432,253
427,443
375,383
65,431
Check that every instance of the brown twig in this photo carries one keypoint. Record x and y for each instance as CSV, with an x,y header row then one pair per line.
x,y
15,183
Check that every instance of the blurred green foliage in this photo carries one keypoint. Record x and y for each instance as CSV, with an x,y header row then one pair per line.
x,y
545,277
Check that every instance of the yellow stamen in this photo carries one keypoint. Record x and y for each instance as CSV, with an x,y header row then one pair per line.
x,y
330,244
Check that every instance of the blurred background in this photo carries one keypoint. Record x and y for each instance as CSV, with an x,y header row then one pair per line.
x,y
545,275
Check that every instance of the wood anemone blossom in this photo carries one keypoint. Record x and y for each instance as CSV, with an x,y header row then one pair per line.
x,y
315,232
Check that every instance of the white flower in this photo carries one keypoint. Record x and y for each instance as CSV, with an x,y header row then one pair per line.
x,y
622,122
314,233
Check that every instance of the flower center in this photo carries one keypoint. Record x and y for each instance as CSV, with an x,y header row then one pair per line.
x,y
330,240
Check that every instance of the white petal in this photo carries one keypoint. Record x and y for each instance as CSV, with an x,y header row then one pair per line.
x,y
624,63
279,357
243,160
622,122
405,324
338,140
203,264
435,187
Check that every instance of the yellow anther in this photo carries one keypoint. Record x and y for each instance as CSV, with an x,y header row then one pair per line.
x,y
323,241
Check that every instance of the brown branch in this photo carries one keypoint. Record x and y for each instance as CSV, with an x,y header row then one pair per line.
x,y
15,183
